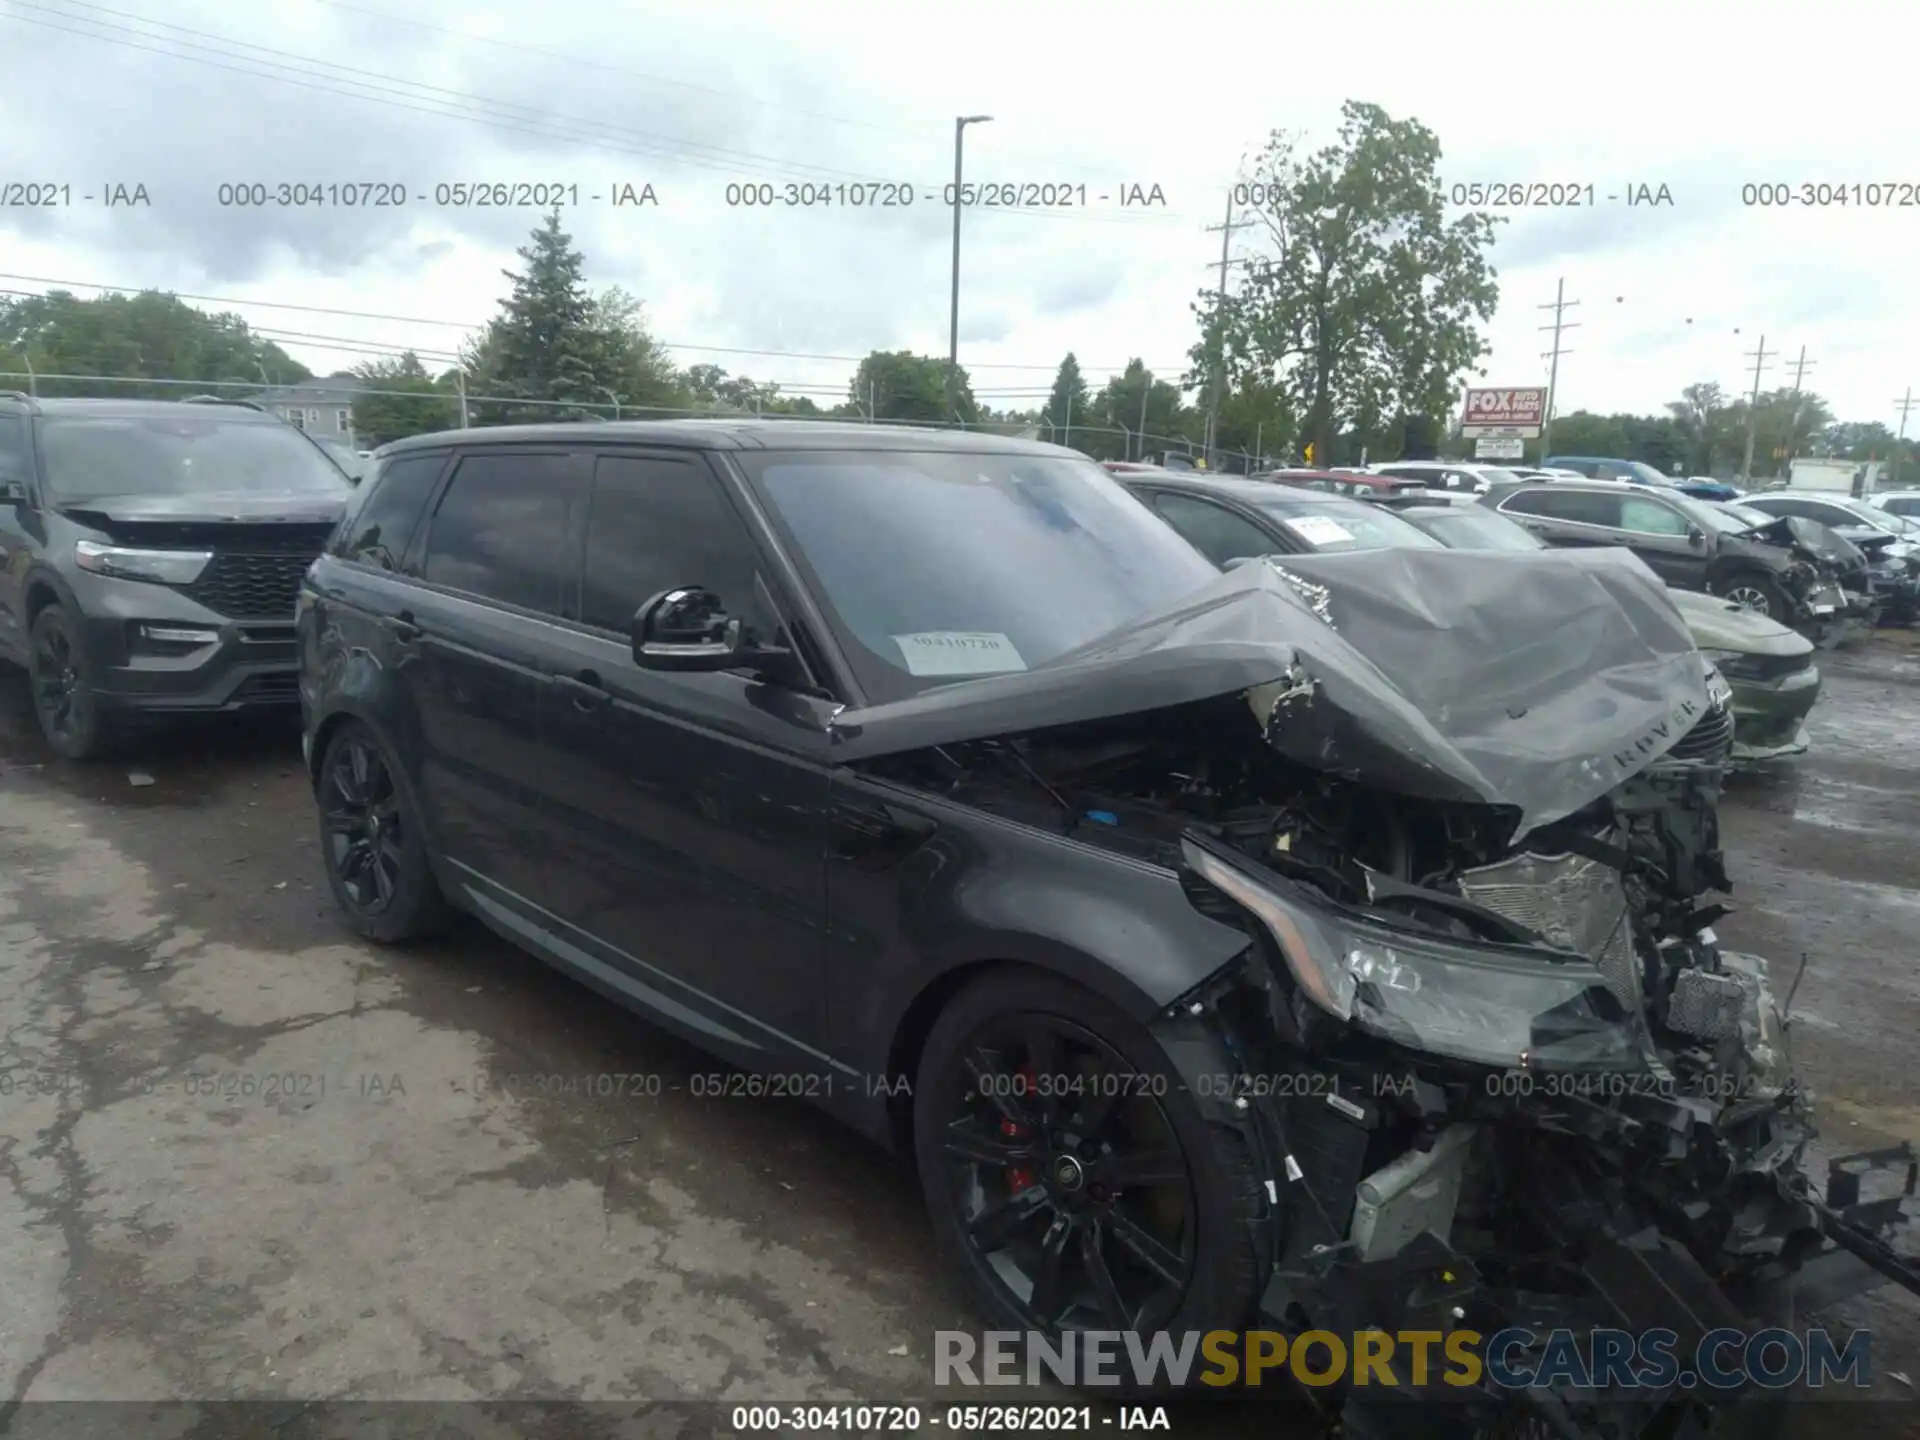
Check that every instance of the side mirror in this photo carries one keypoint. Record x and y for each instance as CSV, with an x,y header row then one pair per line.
x,y
12,491
688,629
1697,538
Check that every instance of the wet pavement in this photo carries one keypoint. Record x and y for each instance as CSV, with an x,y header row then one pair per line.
x,y
242,1154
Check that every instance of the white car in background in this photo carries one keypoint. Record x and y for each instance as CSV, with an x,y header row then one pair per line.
x,y
1904,503
1457,482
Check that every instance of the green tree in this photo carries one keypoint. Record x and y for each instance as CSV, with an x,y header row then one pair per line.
x,y
408,401
899,385
1137,415
546,344
1367,307
148,336
627,360
1256,422
1070,402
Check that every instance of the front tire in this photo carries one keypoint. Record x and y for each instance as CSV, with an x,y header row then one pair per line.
x,y
1069,1173
372,844
65,702
1757,594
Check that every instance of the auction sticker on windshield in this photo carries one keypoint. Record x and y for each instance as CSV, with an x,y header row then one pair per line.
x,y
1319,530
959,652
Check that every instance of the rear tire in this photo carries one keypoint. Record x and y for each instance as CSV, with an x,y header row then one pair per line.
x,y
372,844
65,703
1113,1206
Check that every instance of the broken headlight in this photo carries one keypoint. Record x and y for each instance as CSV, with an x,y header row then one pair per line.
x,y
1489,1004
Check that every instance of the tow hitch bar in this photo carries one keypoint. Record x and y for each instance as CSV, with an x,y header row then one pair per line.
x,y
1860,1226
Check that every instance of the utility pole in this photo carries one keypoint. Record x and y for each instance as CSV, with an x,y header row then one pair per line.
x,y
1560,306
1066,430
1793,425
460,386
1753,410
960,124
1146,389
1226,228
1899,444
33,381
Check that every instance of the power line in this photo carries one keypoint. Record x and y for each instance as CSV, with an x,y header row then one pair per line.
x,y
479,108
466,325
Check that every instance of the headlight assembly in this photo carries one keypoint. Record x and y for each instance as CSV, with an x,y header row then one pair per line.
x,y
163,567
1490,1004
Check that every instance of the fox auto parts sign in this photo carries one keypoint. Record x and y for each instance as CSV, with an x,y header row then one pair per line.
x,y
1504,412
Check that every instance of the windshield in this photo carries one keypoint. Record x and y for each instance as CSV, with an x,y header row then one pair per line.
x,y
1332,526
937,567
1647,473
1749,518
93,456
1878,519
1475,528
1497,475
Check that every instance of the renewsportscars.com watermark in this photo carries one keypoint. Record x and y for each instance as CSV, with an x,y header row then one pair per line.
x,y
1515,1359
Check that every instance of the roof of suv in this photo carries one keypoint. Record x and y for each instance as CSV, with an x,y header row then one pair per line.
x,y
742,433
1251,492
76,405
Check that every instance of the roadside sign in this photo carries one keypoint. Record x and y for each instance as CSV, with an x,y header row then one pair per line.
x,y
1489,447
1506,414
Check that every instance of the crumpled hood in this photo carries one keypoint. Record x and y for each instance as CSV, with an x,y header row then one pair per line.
x,y
1537,680
1721,625
1809,540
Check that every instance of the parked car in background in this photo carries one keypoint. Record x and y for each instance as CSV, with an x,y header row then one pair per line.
x,y
1688,543
1454,477
150,555
1601,467
1769,667
1890,555
1228,520
1904,503
1705,487
1541,472
352,462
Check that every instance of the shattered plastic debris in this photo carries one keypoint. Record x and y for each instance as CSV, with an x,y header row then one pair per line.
x,y
1317,598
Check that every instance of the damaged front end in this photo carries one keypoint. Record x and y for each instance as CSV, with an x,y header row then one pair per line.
x,y
1521,1089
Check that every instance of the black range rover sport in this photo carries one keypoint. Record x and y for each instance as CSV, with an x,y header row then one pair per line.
x,y
150,555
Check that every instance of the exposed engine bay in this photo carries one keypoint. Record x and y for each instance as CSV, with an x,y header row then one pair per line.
x,y
1524,1083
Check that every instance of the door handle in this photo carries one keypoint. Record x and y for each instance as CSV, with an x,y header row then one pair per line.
x,y
585,689
404,628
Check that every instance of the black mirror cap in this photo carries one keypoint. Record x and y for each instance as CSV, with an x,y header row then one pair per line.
x,y
685,628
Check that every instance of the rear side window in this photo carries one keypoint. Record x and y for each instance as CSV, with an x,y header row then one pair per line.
x,y
1904,506
501,531
379,530
1218,534
655,523
1583,507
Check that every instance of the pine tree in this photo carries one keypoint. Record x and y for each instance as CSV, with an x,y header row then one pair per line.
x,y
1068,405
545,345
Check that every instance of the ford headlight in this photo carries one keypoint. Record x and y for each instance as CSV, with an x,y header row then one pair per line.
x,y
164,567
1478,1001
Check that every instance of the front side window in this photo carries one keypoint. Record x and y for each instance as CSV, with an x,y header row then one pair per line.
x,y
500,531
1214,531
654,524
939,566
89,457
378,530
1650,517
15,460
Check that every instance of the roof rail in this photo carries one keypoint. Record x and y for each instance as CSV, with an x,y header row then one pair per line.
x,y
223,400
25,399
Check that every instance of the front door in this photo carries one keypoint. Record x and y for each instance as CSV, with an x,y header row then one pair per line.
x,y
1662,535
689,810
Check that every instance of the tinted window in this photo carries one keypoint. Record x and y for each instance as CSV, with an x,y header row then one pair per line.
x,y
191,452
1773,506
379,530
501,530
654,524
1650,517
1218,534
936,565
1583,507
13,447
1582,467
1903,506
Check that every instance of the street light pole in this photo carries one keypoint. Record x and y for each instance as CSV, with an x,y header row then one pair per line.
x,y
614,398
953,313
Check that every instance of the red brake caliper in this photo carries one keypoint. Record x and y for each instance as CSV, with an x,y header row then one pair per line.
x,y
1019,1178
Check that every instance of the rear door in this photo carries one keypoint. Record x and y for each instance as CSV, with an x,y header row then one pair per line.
x,y
687,847
495,571
20,526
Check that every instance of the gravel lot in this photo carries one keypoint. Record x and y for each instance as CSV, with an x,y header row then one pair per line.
x,y
186,1213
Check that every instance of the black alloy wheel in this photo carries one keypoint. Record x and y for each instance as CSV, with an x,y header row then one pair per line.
x,y
63,696
376,860
1070,1173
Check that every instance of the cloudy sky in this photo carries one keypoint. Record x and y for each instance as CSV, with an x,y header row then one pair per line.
x,y
189,95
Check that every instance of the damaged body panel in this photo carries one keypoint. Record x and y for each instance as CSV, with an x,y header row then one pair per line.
x,y
1473,850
